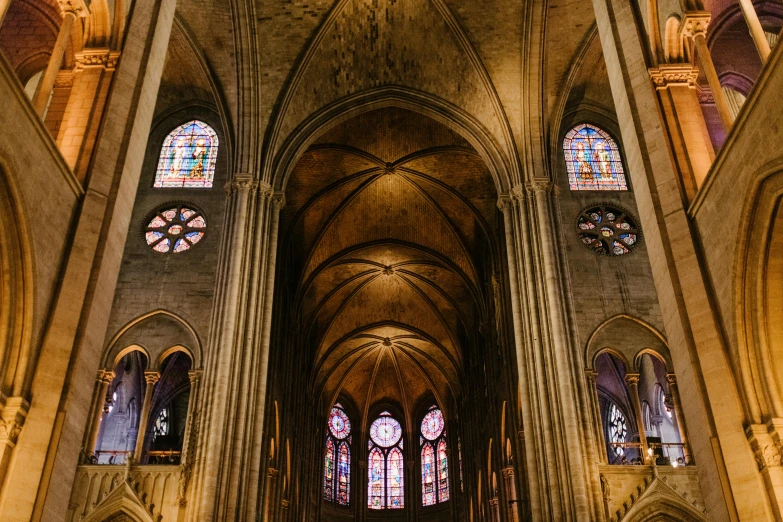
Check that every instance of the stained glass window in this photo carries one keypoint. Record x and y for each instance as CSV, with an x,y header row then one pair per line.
x,y
337,459
386,468
161,423
593,160
175,229
618,428
607,231
434,459
188,156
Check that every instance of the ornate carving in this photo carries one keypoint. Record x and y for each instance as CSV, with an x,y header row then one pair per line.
x,y
75,7
63,80
241,182
674,74
766,452
182,485
273,473
284,504
541,186
151,377
632,379
96,58
605,488
704,94
695,24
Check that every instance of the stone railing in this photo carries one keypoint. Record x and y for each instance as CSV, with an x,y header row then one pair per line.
x,y
152,488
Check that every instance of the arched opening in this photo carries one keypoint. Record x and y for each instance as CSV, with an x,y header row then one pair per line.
x,y
660,423
621,436
388,276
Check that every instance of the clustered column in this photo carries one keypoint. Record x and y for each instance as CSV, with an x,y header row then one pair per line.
x,y
102,382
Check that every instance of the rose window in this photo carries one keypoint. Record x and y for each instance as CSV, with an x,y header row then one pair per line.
x,y
175,229
607,231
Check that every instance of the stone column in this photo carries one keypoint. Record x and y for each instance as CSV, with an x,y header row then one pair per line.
x,y
151,378
548,388
675,85
732,487
672,380
4,5
600,439
102,383
189,437
494,510
78,317
92,77
767,454
59,101
510,486
694,26
71,11
755,29
270,492
632,380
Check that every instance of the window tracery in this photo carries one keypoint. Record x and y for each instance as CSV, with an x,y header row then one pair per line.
x,y
607,231
593,159
386,472
618,428
175,229
188,156
434,459
337,459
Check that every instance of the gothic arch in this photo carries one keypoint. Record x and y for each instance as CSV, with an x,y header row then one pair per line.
x,y
614,336
159,334
758,296
16,289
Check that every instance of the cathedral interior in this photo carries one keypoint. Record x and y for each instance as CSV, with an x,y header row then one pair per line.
x,y
407,260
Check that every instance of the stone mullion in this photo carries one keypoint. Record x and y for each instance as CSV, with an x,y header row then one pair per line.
x,y
263,284
517,254
573,470
710,390
77,321
221,368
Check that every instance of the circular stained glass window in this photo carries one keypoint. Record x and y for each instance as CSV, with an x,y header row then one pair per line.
x,y
607,231
175,229
432,424
385,431
339,424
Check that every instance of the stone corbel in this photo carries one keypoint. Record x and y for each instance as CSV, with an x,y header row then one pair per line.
x,y
764,448
674,74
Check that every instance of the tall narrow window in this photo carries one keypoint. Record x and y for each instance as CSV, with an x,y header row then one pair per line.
x,y
337,458
593,160
386,468
434,459
188,157
618,429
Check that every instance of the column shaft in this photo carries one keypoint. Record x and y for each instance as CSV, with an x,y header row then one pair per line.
x,y
600,440
45,86
756,31
708,67
195,380
633,391
679,416
4,5
96,413
510,483
151,378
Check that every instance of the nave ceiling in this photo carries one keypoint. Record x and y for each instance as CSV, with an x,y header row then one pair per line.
x,y
389,228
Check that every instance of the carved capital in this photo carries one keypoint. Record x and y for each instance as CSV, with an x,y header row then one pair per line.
x,y
592,376
194,376
151,377
505,201
632,379
273,473
12,419
536,187
74,7
674,74
764,448
507,472
695,24
105,376
671,379
63,80
242,182
104,58
278,200
704,94
284,504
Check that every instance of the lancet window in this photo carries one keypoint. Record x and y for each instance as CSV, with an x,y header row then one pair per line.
x,y
385,464
337,457
188,156
434,459
593,160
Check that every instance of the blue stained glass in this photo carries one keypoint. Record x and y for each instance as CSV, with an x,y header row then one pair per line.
x,y
188,157
593,160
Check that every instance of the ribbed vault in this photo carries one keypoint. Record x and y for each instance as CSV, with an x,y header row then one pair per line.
x,y
388,231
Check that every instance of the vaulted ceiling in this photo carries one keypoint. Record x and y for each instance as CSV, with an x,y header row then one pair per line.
x,y
389,234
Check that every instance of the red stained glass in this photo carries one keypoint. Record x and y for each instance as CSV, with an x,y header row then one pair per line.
x,y
593,160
